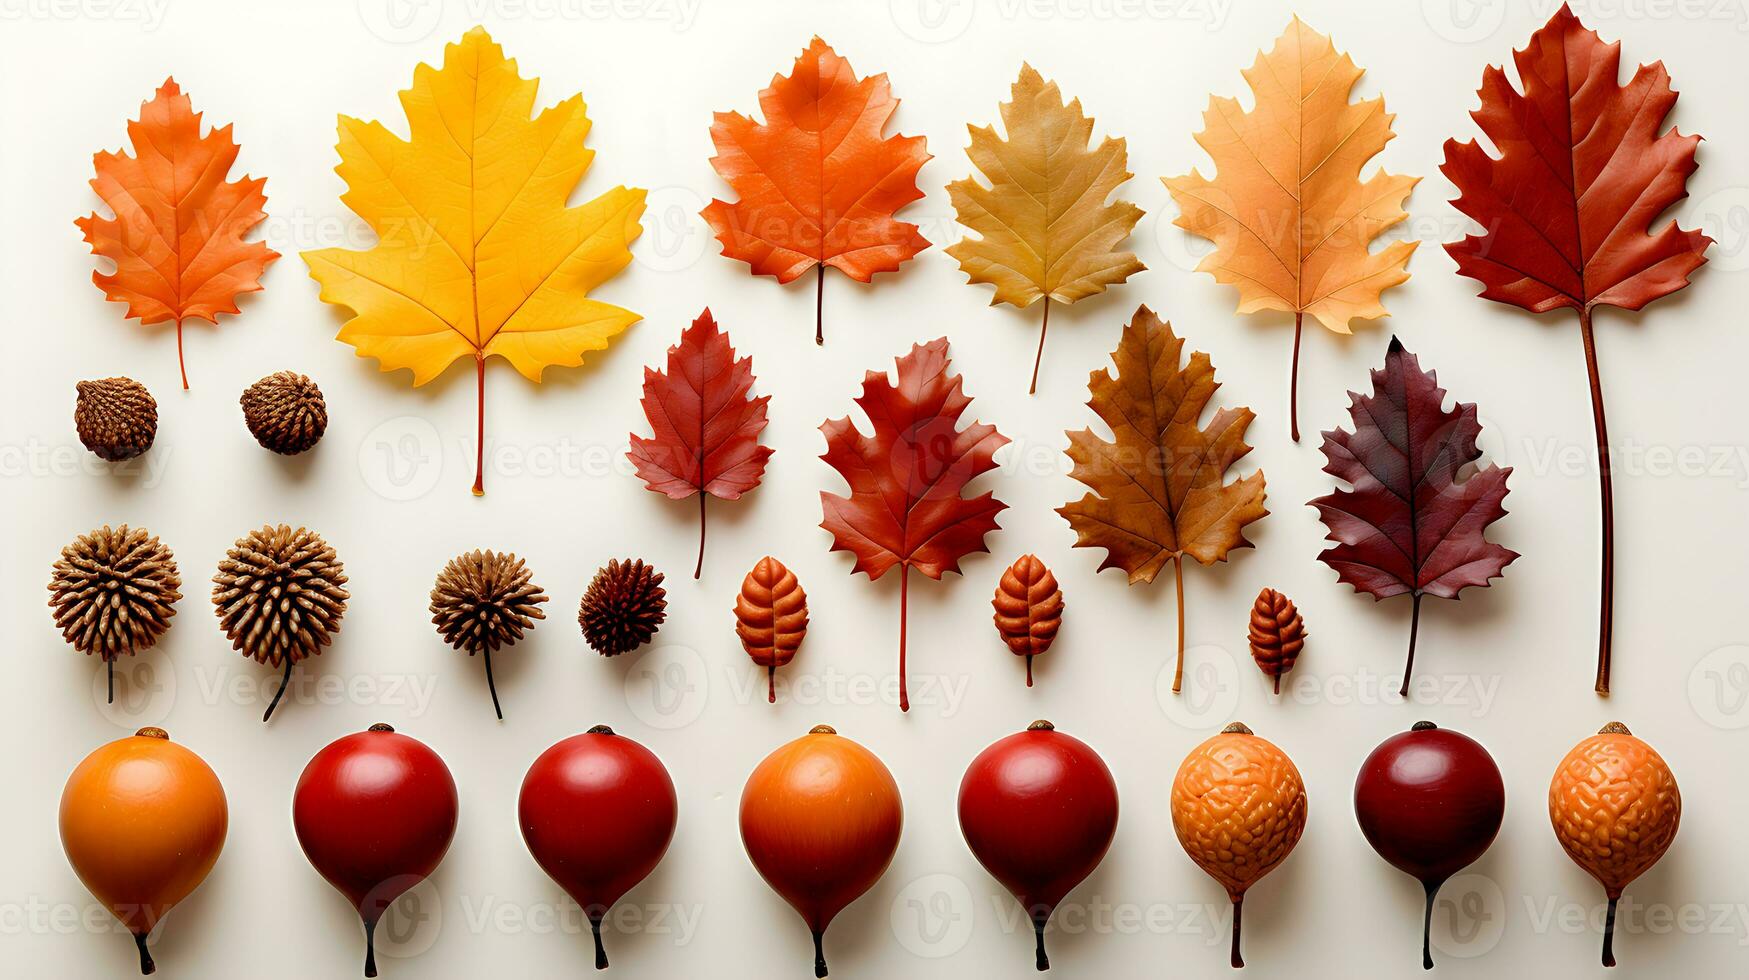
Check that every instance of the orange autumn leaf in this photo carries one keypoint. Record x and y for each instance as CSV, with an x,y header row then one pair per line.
x,y
1292,221
176,237
818,182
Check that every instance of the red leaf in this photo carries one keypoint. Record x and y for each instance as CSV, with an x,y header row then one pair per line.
x,y
818,182
705,421
905,506
1408,525
1567,208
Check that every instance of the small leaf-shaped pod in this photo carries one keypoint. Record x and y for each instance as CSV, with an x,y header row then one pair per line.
x,y
1277,634
771,618
1029,609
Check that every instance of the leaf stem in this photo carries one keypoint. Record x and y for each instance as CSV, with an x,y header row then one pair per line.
x,y
1414,629
1178,580
699,568
1293,385
1605,488
820,305
492,685
904,612
1238,961
1609,933
1043,326
1432,888
480,425
181,365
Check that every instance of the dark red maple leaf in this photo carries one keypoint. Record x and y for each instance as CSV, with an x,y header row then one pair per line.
x,y
1407,524
705,423
906,480
1567,208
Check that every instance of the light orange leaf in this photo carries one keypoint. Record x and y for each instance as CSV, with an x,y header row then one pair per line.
x,y
176,235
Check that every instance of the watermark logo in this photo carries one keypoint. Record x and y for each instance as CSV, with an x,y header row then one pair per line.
x,y
675,234
1724,215
667,687
400,21
1469,916
1718,688
933,21
932,916
1464,21
1210,693
411,924
401,459
145,690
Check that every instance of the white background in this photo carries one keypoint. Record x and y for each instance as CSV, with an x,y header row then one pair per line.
x,y
1511,665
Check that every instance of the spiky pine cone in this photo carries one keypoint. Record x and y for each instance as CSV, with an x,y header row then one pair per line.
x,y
485,600
1277,634
285,412
623,607
114,590
117,418
280,593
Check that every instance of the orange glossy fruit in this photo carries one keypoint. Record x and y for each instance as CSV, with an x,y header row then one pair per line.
x,y
142,822
1615,807
1239,807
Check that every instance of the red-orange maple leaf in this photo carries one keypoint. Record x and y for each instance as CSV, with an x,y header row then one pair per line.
x,y
705,422
905,506
1567,208
177,235
818,183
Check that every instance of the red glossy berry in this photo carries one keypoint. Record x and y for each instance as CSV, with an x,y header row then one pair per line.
x,y
375,813
597,812
1038,809
1430,801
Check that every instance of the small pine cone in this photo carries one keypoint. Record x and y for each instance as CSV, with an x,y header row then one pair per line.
x,y
1029,609
623,607
285,412
114,590
279,594
485,600
117,418
1277,634
771,618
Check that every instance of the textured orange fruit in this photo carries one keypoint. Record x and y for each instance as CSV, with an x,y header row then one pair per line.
x,y
1239,807
1615,806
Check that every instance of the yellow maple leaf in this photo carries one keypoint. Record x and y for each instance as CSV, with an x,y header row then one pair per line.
x,y
1291,220
1045,228
477,254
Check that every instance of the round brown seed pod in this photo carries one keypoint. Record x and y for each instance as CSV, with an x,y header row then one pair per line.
x,y
623,607
117,418
285,412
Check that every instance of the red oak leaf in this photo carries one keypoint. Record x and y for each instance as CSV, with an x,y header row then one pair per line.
x,y
1567,208
905,506
1407,524
177,235
818,183
705,421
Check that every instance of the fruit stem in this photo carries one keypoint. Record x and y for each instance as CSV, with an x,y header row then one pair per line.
x,y
181,365
698,568
492,685
1029,670
284,682
1414,630
1038,359
1608,497
370,947
480,424
599,730
1039,918
819,954
1178,581
1293,385
1609,933
771,683
600,950
904,613
147,967
1278,683
819,317
1238,908
1432,888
